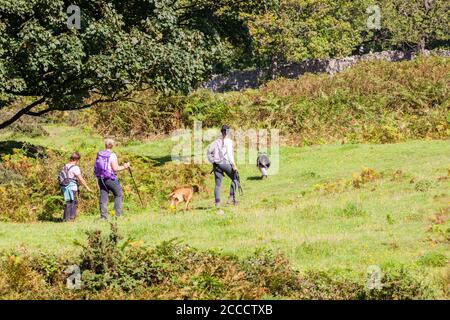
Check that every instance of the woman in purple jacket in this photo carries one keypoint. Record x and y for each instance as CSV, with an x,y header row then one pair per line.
x,y
105,169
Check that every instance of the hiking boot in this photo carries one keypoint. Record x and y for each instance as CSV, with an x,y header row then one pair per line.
x,y
232,201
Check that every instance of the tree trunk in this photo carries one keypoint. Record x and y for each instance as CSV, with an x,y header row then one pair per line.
x,y
20,113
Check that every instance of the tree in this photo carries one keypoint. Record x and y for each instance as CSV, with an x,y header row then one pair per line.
x,y
416,24
306,29
122,46
296,30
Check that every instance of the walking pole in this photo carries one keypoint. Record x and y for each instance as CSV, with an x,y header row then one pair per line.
x,y
135,187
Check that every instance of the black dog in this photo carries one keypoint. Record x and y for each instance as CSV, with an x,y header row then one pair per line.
x,y
263,164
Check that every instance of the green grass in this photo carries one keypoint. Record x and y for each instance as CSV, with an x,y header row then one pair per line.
x,y
384,221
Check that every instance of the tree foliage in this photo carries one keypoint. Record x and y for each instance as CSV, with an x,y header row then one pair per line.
x,y
416,24
305,29
302,29
122,46
172,45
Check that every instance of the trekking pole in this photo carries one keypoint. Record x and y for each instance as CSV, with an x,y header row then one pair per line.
x,y
135,187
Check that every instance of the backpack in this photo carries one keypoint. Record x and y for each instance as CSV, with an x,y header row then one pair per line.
x,y
214,152
101,166
63,176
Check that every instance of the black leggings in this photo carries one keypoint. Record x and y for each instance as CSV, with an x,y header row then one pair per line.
x,y
219,172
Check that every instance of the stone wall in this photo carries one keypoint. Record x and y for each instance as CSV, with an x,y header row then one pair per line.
x,y
241,80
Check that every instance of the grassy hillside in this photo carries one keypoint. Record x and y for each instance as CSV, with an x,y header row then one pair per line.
x,y
377,102
324,209
364,180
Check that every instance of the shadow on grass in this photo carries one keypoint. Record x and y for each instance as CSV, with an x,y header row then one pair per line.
x,y
46,218
254,178
202,208
160,161
32,151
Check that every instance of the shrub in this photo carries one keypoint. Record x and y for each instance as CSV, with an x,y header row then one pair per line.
x,y
186,272
271,271
19,275
433,259
146,116
352,210
116,268
328,285
29,191
26,125
28,128
8,176
423,185
378,102
401,282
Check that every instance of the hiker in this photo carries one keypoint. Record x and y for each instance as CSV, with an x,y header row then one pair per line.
x,y
220,154
69,179
105,169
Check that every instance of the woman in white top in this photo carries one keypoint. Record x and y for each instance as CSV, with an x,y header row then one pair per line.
x,y
226,166
74,174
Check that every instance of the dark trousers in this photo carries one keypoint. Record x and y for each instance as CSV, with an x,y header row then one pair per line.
x,y
107,185
70,210
220,170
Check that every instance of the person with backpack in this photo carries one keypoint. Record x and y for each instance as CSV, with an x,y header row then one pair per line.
x,y
221,155
69,178
105,169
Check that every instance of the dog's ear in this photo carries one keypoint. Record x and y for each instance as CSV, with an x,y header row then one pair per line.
x,y
195,188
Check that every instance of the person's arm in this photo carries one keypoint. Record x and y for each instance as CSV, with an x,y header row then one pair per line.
x,y
83,182
115,166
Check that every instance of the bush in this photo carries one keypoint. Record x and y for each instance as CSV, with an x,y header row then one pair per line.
x,y
181,270
116,268
8,176
19,278
352,210
31,129
328,285
378,102
272,271
146,116
29,191
26,125
423,185
433,259
401,282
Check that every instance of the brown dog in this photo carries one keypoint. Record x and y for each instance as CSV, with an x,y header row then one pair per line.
x,y
182,194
